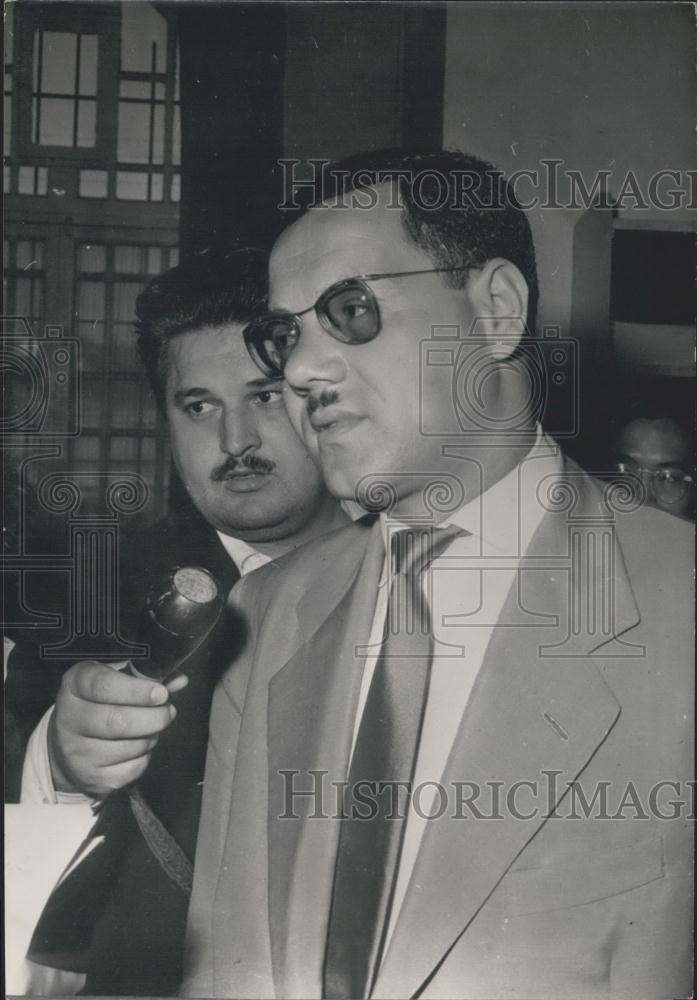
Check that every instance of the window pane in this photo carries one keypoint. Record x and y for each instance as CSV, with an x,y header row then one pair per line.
x,y
25,293
134,88
158,134
26,180
92,339
123,452
37,298
176,137
160,91
90,300
124,351
86,451
29,255
88,65
6,180
86,123
154,260
35,62
131,186
7,125
92,402
56,128
41,180
9,32
174,256
23,296
23,253
91,257
147,449
141,26
125,412
93,183
156,187
127,260
149,420
59,62
134,132
176,188
125,295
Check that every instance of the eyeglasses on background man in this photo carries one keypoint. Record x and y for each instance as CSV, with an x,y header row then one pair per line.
x,y
658,451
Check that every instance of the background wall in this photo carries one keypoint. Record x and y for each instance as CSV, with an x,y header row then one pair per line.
x,y
601,86
232,62
362,76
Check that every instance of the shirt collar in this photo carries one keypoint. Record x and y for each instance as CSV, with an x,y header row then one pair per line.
x,y
504,518
245,557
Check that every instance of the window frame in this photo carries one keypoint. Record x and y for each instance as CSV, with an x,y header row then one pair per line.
x,y
102,21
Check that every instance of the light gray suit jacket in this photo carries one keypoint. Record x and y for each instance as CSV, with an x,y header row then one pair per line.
x,y
588,679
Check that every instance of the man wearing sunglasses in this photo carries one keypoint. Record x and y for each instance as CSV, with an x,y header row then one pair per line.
x,y
419,770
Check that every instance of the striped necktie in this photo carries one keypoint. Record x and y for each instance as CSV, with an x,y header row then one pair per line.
x,y
385,753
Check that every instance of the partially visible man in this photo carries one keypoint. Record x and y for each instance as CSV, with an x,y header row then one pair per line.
x,y
256,494
657,449
410,734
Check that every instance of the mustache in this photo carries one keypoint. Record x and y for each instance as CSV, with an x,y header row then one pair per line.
x,y
252,462
325,398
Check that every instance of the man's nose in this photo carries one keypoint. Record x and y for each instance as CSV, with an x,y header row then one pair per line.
x,y
317,359
238,433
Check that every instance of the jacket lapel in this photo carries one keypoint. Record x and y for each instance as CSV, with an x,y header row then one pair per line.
x,y
538,705
312,704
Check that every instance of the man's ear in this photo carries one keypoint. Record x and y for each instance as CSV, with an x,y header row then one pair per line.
x,y
498,294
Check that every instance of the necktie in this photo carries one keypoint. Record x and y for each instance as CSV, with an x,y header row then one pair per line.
x,y
385,752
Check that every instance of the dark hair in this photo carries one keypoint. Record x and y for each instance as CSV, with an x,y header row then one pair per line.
x,y
458,209
213,288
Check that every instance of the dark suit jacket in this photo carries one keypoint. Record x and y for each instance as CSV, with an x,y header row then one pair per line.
x,y
135,946
591,681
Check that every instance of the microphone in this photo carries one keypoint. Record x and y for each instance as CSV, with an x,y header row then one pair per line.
x,y
182,608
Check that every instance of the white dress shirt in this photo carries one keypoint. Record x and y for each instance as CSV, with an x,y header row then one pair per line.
x,y
244,555
471,580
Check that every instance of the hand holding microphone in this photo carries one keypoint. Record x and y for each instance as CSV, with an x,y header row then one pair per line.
x,y
107,721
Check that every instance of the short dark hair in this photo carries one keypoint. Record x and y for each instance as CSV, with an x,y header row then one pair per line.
x,y
458,209
210,289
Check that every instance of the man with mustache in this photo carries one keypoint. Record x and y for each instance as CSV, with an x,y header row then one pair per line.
x,y
256,495
435,769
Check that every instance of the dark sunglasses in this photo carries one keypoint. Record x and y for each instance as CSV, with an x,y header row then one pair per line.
x,y
348,311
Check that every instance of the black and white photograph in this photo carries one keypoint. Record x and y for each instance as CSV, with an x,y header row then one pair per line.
x,y
348,436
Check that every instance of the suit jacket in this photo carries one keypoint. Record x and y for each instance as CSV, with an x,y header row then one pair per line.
x,y
587,680
125,929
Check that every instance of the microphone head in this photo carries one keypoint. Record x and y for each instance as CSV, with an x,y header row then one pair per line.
x,y
187,601
182,607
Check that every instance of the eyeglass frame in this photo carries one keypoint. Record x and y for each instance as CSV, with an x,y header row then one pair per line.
x,y
338,286
637,470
